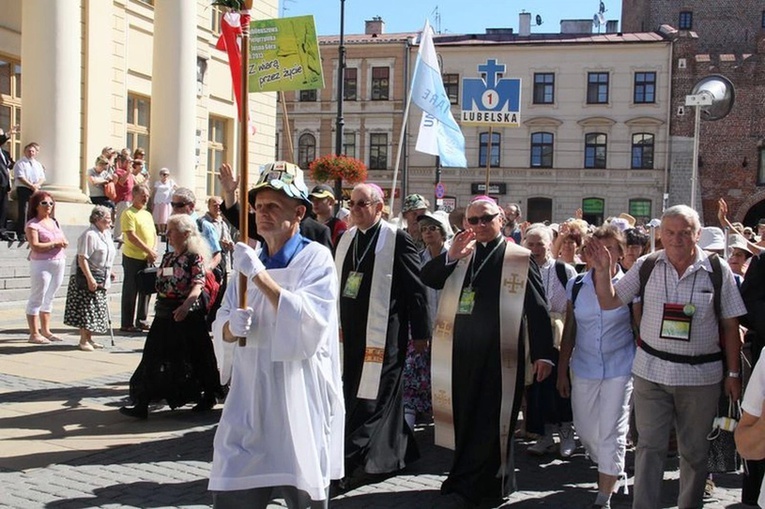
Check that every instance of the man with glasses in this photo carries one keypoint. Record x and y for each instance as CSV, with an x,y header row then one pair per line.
x,y
138,252
489,288
281,431
382,300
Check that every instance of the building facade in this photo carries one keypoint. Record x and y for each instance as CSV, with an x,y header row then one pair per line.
x,y
714,38
593,124
78,75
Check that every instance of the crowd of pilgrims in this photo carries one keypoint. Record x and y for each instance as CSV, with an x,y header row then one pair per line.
x,y
582,383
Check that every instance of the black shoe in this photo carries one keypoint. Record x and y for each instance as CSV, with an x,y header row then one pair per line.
x,y
138,412
204,405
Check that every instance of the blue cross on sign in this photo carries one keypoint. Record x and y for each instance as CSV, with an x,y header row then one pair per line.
x,y
490,99
440,190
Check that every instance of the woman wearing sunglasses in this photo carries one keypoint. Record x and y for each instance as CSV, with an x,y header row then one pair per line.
x,y
435,233
47,244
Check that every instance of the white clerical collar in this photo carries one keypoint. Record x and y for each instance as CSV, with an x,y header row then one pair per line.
x,y
362,230
484,244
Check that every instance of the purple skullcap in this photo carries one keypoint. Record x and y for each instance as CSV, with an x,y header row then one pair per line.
x,y
376,188
482,197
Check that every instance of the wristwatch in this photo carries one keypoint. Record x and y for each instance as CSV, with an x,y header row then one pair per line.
x,y
734,374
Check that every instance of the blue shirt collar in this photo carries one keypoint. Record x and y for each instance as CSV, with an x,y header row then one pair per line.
x,y
284,256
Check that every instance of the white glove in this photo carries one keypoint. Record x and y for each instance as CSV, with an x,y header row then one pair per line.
x,y
246,260
240,321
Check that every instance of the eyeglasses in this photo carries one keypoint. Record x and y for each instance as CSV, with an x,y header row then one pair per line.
x,y
178,205
484,219
428,228
47,203
360,204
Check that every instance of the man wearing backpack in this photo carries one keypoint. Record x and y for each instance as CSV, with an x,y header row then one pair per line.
x,y
679,363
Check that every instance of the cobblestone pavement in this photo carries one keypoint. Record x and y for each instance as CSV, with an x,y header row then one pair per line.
x,y
64,445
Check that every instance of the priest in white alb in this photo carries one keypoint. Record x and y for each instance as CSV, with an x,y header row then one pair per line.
x,y
492,292
281,432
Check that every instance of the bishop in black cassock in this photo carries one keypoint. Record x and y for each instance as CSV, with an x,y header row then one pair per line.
x,y
377,438
476,375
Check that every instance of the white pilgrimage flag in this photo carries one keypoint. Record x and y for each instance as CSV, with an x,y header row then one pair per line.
x,y
429,94
426,136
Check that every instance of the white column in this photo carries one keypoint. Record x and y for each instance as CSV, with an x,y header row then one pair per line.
x,y
173,90
52,92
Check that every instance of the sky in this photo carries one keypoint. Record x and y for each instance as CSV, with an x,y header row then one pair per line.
x,y
456,16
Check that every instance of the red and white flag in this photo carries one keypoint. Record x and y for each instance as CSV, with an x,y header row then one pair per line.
x,y
230,38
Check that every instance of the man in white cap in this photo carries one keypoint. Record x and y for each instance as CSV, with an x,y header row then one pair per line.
x,y
281,431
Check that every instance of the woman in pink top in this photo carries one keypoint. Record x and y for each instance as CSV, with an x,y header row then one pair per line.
x,y
47,243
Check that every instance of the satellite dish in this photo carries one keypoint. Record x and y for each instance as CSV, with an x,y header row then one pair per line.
x,y
602,8
723,96
538,19
598,20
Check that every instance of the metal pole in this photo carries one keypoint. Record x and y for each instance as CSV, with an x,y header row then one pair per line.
x,y
695,173
438,181
340,122
488,160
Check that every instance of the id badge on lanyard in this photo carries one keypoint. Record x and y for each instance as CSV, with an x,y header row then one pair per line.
x,y
676,322
353,284
467,301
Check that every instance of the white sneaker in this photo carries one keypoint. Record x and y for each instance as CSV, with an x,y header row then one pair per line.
x,y
567,444
545,445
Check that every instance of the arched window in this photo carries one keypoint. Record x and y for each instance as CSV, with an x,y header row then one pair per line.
x,y
306,150
539,209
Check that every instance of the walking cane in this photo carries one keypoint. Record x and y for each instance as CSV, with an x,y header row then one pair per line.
x,y
109,319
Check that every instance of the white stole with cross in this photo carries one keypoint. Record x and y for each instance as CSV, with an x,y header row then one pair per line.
x,y
515,269
379,304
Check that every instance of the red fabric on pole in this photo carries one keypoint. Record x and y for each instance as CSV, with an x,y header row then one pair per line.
x,y
229,40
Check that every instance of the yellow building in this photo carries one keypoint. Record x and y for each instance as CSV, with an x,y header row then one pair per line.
x,y
79,75
592,130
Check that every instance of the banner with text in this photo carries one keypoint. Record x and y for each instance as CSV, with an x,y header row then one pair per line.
x,y
284,55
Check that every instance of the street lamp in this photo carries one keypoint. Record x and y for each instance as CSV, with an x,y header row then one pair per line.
x,y
713,98
340,122
697,100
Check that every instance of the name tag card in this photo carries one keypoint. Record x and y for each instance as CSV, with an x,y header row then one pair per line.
x,y
353,284
467,301
675,323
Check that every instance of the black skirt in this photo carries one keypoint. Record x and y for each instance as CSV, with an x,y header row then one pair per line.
x,y
178,363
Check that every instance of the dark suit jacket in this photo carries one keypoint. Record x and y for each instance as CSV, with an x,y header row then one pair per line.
x,y
309,227
6,164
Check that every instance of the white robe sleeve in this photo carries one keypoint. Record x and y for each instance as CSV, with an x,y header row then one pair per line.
x,y
306,310
224,352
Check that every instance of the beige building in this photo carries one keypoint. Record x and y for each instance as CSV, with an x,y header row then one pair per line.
x,y
78,75
593,120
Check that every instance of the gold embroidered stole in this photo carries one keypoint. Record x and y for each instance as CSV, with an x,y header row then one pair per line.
x,y
379,304
515,268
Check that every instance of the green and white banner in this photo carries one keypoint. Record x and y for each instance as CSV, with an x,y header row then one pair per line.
x,y
284,55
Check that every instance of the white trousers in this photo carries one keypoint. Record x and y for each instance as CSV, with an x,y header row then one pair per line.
x,y
602,419
45,277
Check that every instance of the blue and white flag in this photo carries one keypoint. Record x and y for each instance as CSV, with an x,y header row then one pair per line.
x,y
429,94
